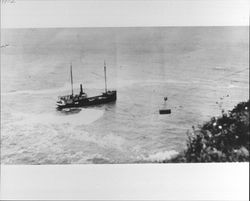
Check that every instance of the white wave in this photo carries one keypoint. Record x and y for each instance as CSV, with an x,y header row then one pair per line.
x,y
98,85
107,141
168,81
232,86
160,156
90,159
63,90
123,83
84,117
58,90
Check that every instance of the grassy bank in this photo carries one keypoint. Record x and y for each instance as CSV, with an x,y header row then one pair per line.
x,y
223,139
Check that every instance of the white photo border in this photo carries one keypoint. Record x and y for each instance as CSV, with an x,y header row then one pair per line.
x,y
214,181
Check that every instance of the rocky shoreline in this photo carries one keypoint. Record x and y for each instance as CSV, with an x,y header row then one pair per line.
x,y
222,139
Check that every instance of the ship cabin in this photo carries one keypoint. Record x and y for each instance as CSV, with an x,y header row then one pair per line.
x,y
68,99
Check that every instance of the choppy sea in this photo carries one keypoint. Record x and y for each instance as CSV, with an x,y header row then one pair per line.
x,y
200,69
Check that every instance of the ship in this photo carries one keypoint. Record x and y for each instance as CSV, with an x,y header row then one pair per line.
x,y
82,99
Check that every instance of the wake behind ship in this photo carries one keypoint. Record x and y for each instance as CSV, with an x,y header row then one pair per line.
x,y
82,100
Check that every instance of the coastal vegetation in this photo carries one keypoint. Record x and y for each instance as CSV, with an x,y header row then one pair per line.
x,y
222,139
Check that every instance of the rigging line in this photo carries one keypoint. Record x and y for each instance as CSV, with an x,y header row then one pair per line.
x,y
97,74
234,73
221,78
230,75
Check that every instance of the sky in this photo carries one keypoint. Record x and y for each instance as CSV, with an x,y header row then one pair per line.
x,y
123,13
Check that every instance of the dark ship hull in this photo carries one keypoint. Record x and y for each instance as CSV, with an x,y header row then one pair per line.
x,y
106,97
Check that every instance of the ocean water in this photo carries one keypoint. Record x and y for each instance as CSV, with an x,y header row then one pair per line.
x,y
200,69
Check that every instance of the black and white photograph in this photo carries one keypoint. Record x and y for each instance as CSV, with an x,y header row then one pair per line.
x,y
124,95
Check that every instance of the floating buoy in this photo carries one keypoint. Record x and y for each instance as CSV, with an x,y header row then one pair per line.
x,y
165,111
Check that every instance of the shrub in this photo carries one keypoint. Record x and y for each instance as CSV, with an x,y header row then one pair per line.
x,y
223,139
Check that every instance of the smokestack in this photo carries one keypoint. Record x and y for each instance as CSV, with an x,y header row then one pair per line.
x,y
81,91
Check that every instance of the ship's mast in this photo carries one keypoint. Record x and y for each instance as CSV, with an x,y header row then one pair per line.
x,y
105,76
71,79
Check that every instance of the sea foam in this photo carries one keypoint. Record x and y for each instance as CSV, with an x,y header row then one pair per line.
x,y
84,117
160,156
